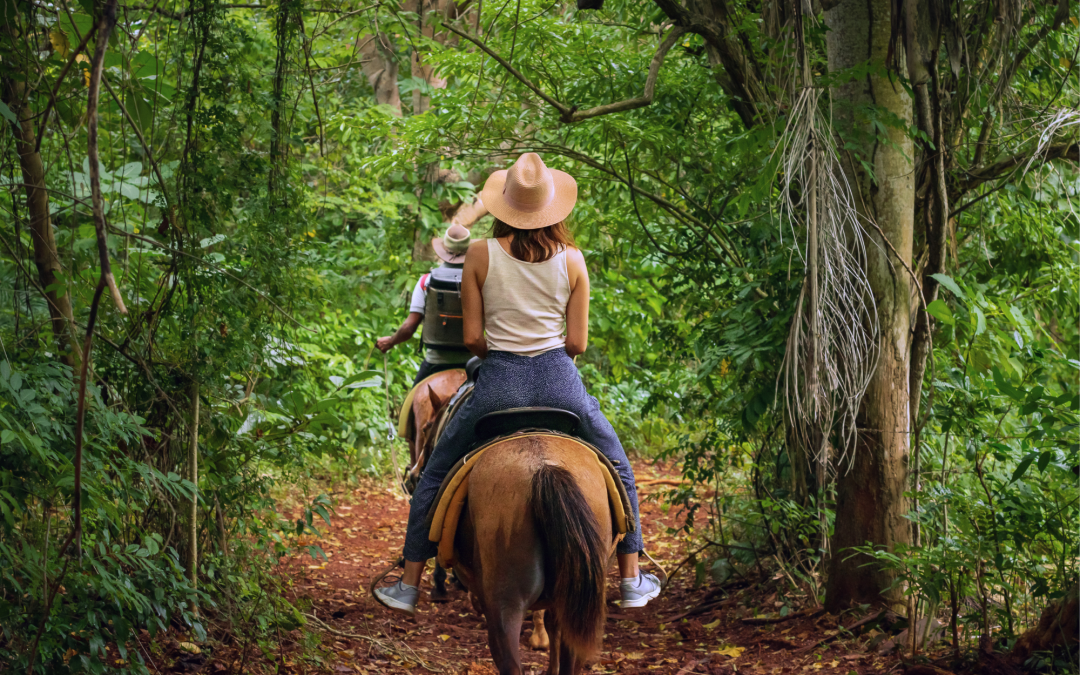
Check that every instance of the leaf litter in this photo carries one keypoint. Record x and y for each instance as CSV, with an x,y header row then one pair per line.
x,y
687,630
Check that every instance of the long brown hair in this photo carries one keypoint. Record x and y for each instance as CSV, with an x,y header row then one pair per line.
x,y
535,245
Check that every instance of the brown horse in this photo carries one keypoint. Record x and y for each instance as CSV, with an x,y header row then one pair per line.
x,y
428,404
537,533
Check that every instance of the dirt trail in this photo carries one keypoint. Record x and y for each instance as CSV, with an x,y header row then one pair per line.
x,y
367,533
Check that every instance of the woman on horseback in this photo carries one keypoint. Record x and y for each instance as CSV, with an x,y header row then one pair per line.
x,y
525,297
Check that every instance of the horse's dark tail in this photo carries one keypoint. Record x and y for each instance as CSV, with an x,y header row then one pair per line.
x,y
575,558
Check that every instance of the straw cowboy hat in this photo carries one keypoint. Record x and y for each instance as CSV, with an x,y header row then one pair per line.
x,y
452,246
529,195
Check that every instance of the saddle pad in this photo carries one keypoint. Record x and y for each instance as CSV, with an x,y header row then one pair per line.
x,y
406,407
442,519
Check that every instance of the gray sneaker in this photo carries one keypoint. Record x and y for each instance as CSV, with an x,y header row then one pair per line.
x,y
639,594
399,596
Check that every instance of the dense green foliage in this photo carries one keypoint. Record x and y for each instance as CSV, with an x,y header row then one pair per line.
x,y
267,217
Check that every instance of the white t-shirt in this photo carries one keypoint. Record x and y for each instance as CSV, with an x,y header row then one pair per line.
x,y
434,356
419,297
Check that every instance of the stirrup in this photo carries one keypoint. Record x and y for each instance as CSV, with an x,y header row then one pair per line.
x,y
382,575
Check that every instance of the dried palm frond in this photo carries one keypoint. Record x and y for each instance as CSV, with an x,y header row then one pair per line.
x,y
1052,126
832,347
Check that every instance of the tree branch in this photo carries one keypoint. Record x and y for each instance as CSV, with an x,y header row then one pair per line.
x,y
1069,151
740,80
570,115
564,110
1010,70
646,97
108,20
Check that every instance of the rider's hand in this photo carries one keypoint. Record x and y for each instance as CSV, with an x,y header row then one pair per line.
x,y
385,344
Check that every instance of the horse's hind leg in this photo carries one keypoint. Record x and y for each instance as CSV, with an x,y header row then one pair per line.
x,y
504,637
539,638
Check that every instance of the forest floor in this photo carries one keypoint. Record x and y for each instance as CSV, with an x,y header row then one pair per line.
x,y
687,630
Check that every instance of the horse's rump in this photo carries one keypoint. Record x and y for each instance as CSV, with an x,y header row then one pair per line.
x,y
538,514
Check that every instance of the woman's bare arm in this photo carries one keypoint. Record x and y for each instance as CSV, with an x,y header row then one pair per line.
x,y
577,309
472,300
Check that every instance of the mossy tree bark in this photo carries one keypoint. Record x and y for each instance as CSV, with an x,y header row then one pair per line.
x,y
870,504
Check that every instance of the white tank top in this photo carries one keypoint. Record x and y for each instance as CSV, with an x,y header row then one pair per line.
x,y
525,303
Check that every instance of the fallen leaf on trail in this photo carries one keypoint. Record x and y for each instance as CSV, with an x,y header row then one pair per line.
x,y
190,647
730,650
712,625
635,656
444,638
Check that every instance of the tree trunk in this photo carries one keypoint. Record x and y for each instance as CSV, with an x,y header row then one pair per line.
x,y
1058,627
46,258
870,503
279,120
193,472
421,70
381,70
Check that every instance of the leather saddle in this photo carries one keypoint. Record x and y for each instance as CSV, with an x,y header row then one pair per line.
x,y
506,422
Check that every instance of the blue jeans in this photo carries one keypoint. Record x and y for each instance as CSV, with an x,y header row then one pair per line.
x,y
514,381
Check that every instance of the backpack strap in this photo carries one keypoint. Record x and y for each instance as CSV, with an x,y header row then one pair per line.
x,y
424,282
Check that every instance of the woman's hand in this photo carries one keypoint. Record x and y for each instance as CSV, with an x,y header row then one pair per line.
x,y
577,309
472,299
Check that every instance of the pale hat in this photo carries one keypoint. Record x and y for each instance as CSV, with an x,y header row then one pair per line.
x,y
453,245
529,195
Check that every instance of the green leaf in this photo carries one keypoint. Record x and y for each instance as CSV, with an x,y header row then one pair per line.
x,y
140,110
129,170
721,570
1022,467
1007,387
1044,459
946,281
979,321
939,310
145,64
365,378
321,510
8,115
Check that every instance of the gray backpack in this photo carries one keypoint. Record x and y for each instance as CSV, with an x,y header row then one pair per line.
x,y
443,323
